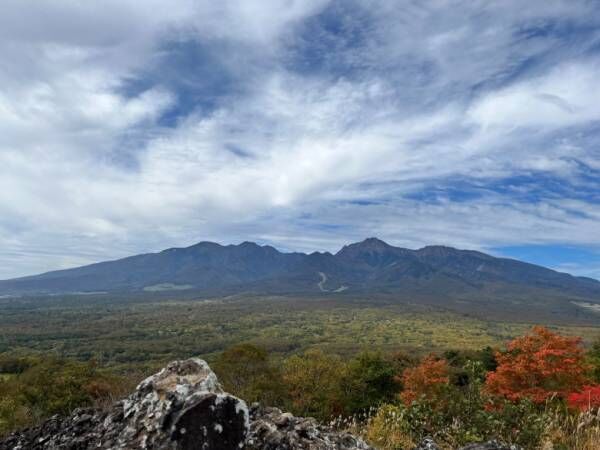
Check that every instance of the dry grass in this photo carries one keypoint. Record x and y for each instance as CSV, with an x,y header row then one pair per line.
x,y
386,429
573,432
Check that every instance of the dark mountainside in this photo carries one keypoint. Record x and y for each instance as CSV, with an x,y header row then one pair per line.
x,y
183,407
370,265
436,275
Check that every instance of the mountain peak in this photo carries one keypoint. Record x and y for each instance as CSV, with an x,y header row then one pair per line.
x,y
374,242
204,244
372,251
248,244
371,244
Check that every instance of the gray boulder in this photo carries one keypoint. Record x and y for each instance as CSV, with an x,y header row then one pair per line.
x,y
182,407
272,429
427,444
490,445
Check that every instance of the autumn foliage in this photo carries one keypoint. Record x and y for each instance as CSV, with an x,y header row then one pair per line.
x,y
424,380
587,398
538,366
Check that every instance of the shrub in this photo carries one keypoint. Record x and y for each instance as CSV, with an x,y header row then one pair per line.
x,y
388,429
14,364
401,426
588,398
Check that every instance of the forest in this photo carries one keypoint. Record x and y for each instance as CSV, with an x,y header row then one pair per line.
x,y
127,333
540,388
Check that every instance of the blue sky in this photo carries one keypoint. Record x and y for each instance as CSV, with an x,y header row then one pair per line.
x,y
128,127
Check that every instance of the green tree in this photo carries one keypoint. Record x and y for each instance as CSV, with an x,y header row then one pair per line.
x,y
369,382
594,359
246,371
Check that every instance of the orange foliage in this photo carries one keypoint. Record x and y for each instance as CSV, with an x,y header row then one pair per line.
x,y
426,379
538,366
588,398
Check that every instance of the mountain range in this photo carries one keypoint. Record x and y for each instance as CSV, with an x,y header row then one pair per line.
x,y
371,266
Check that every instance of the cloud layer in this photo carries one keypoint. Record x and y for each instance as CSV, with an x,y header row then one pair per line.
x,y
131,127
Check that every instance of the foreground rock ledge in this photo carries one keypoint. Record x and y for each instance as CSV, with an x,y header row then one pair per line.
x,y
183,407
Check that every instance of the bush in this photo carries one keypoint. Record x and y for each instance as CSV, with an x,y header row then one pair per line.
x,y
587,399
400,426
389,429
14,364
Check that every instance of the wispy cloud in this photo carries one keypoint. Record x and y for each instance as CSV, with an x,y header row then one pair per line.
x,y
128,127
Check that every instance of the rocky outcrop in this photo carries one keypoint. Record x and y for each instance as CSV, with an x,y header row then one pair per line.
x,y
272,429
491,445
182,407
429,444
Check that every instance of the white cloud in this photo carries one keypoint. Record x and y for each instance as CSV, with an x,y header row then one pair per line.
x,y
568,95
422,94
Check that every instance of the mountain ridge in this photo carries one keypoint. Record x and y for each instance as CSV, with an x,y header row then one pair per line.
x,y
368,265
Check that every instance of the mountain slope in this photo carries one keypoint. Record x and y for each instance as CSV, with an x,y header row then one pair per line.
x,y
368,267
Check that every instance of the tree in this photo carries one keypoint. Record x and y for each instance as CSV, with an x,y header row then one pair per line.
x,y
538,366
487,356
402,360
313,383
425,380
246,371
594,359
369,382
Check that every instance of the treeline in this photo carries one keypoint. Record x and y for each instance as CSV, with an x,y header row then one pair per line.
x,y
33,388
323,385
542,391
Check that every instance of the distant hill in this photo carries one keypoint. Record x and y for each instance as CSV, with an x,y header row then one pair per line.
x,y
433,274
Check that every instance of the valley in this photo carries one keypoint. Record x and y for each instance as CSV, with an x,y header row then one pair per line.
x,y
142,333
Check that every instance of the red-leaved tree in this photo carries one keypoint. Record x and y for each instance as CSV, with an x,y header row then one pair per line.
x,y
425,380
538,366
587,398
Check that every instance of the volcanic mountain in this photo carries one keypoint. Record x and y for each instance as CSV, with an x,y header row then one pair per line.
x,y
433,274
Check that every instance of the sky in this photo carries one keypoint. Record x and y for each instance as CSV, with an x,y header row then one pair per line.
x,y
129,127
